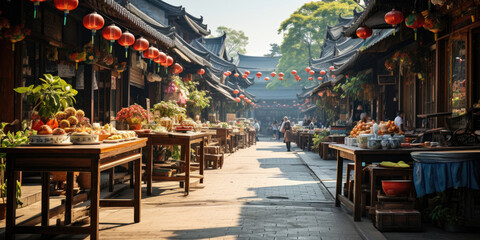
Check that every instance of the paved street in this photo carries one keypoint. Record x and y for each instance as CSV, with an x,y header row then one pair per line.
x,y
262,192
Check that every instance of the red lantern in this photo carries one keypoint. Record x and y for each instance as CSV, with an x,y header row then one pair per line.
x,y
253,104
201,71
244,76
311,72
294,72
331,68
36,3
333,76
242,96
280,78
310,78
273,74
320,78
247,72
236,74
177,68
323,72
112,33
127,39
237,99
169,61
235,91
267,78
151,53
393,18
259,74
364,32
307,69
162,58
141,44
281,74
94,22
415,21
229,73
66,6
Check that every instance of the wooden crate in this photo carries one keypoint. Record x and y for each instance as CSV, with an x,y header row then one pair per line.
x,y
398,220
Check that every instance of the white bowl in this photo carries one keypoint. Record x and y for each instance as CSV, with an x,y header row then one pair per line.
x,y
49,139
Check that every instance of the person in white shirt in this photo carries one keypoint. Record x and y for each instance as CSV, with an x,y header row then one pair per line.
x,y
257,129
399,120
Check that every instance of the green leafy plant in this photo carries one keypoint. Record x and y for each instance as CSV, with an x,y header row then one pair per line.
x,y
50,97
358,87
318,138
444,210
168,109
8,140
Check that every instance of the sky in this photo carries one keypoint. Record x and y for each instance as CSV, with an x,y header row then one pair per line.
x,y
259,19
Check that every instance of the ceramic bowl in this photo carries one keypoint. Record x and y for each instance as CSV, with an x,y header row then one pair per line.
x,y
396,187
49,139
374,143
395,143
362,140
80,138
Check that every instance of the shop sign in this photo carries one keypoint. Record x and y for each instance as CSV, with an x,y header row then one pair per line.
x,y
386,80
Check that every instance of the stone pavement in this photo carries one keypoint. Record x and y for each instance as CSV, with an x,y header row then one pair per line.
x,y
262,192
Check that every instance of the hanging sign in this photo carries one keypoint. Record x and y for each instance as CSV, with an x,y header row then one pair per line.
x,y
387,80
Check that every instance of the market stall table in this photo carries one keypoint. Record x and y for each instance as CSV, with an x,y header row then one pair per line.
x,y
360,156
71,158
252,136
185,140
223,134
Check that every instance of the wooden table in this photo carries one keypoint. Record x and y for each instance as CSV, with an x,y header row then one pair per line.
x,y
71,158
306,140
252,136
224,135
360,156
184,140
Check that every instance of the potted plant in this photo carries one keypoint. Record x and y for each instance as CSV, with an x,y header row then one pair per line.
x,y
8,139
134,115
48,98
444,213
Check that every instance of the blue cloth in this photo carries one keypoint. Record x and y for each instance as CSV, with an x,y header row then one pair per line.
x,y
436,172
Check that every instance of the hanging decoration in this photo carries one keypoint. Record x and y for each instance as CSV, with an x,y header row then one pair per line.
x,y
310,78
235,91
241,96
66,6
281,75
333,76
322,72
93,22
168,62
432,23
151,53
36,3
364,32
259,74
127,39
77,57
177,68
237,99
244,76
332,68
15,34
236,74
311,72
273,74
280,78
141,45
267,78
394,18
308,69
201,71
294,72
320,78
414,21
112,33
247,72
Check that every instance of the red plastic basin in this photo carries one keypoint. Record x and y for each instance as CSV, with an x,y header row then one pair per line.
x,y
396,187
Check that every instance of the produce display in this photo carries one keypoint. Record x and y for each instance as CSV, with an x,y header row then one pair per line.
x,y
367,128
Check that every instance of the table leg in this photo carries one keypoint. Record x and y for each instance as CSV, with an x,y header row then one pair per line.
x,y
187,166
202,159
149,167
111,175
338,188
357,189
95,201
69,198
45,198
138,189
11,203
373,188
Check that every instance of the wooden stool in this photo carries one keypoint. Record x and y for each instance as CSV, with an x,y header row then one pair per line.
x,y
213,157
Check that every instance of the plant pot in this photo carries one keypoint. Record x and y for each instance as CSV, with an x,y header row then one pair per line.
x,y
454,228
3,211
84,180
135,126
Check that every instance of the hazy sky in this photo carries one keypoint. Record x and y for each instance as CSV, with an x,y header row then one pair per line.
x,y
259,19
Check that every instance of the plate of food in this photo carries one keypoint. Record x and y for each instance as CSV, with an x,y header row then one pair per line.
x,y
113,139
46,136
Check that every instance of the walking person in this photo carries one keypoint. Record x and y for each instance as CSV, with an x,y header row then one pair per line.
x,y
275,130
257,129
287,136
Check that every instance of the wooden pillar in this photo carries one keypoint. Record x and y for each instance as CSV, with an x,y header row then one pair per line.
x,y
88,91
